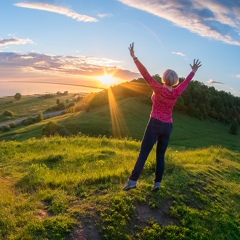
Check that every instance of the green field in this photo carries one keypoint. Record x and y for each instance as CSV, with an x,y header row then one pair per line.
x,y
71,187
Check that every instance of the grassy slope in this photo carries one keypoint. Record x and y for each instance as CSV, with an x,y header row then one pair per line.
x,y
130,120
70,188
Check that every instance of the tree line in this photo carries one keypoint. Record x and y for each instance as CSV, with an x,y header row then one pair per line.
x,y
198,100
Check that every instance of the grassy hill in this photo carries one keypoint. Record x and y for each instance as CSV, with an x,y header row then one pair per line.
x,y
70,188
128,118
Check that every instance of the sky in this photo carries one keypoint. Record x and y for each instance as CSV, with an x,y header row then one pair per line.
x,y
57,45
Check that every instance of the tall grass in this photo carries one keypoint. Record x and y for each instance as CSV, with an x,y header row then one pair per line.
x,y
70,188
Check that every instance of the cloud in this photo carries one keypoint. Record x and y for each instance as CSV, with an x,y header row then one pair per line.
x,y
104,15
14,41
237,76
179,53
219,20
72,66
214,82
56,9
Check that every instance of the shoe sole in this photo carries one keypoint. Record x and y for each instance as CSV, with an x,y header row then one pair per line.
x,y
128,188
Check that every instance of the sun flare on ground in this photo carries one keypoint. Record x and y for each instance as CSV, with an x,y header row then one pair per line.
x,y
107,79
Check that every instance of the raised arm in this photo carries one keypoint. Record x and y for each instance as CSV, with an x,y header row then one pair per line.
x,y
183,85
153,83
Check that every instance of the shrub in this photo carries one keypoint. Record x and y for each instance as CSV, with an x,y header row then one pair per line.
x,y
39,117
6,128
53,128
8,113
18,96
29,120
12,125
71,110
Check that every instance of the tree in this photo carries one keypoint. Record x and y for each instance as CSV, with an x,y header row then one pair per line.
x,y
234,127
17,96
39,117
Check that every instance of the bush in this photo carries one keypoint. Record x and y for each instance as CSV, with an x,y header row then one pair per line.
x,y
60,106
29,120
18,96
8,113
53,128
39,117
6,128
12,125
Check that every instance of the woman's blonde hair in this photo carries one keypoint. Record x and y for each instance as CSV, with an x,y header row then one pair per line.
x,y
170,78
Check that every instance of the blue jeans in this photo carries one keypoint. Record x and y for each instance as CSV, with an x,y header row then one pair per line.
x,y
156,131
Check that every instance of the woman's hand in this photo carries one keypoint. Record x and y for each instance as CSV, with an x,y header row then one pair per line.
x,y
196,64
131,49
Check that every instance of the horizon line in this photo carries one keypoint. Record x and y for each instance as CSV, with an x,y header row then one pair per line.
x,y
67,84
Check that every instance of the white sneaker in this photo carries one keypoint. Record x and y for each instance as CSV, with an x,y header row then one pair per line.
x,y
130,184
156,186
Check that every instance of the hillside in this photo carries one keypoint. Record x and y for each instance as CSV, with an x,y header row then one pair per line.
x,y
202,115
128,118
70,188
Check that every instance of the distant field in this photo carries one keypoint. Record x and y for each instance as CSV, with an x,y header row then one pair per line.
x,y
30,105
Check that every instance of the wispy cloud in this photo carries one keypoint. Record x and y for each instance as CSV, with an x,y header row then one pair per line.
x,y
57,9
14,41
64,65
179,53
214,82
218,20
104,15
236,76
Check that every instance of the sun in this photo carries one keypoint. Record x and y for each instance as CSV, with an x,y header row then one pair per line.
x,y
107,79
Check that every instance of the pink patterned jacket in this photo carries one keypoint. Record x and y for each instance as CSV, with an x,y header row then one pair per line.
x,y
163,99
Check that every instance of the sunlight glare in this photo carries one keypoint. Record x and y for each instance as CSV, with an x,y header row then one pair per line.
x,y
107,79
119,125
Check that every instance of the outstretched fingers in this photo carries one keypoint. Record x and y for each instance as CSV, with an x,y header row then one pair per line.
x,y
131,46
197,62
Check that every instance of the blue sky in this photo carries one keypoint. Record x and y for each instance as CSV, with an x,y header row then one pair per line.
x,y
75,42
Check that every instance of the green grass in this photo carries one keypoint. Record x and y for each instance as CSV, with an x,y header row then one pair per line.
x,y
70,188
130,121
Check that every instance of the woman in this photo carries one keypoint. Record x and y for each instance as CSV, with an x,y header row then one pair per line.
x,y
159,127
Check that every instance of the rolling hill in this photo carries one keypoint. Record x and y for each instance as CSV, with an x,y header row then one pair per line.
x,y
71,188
128,119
